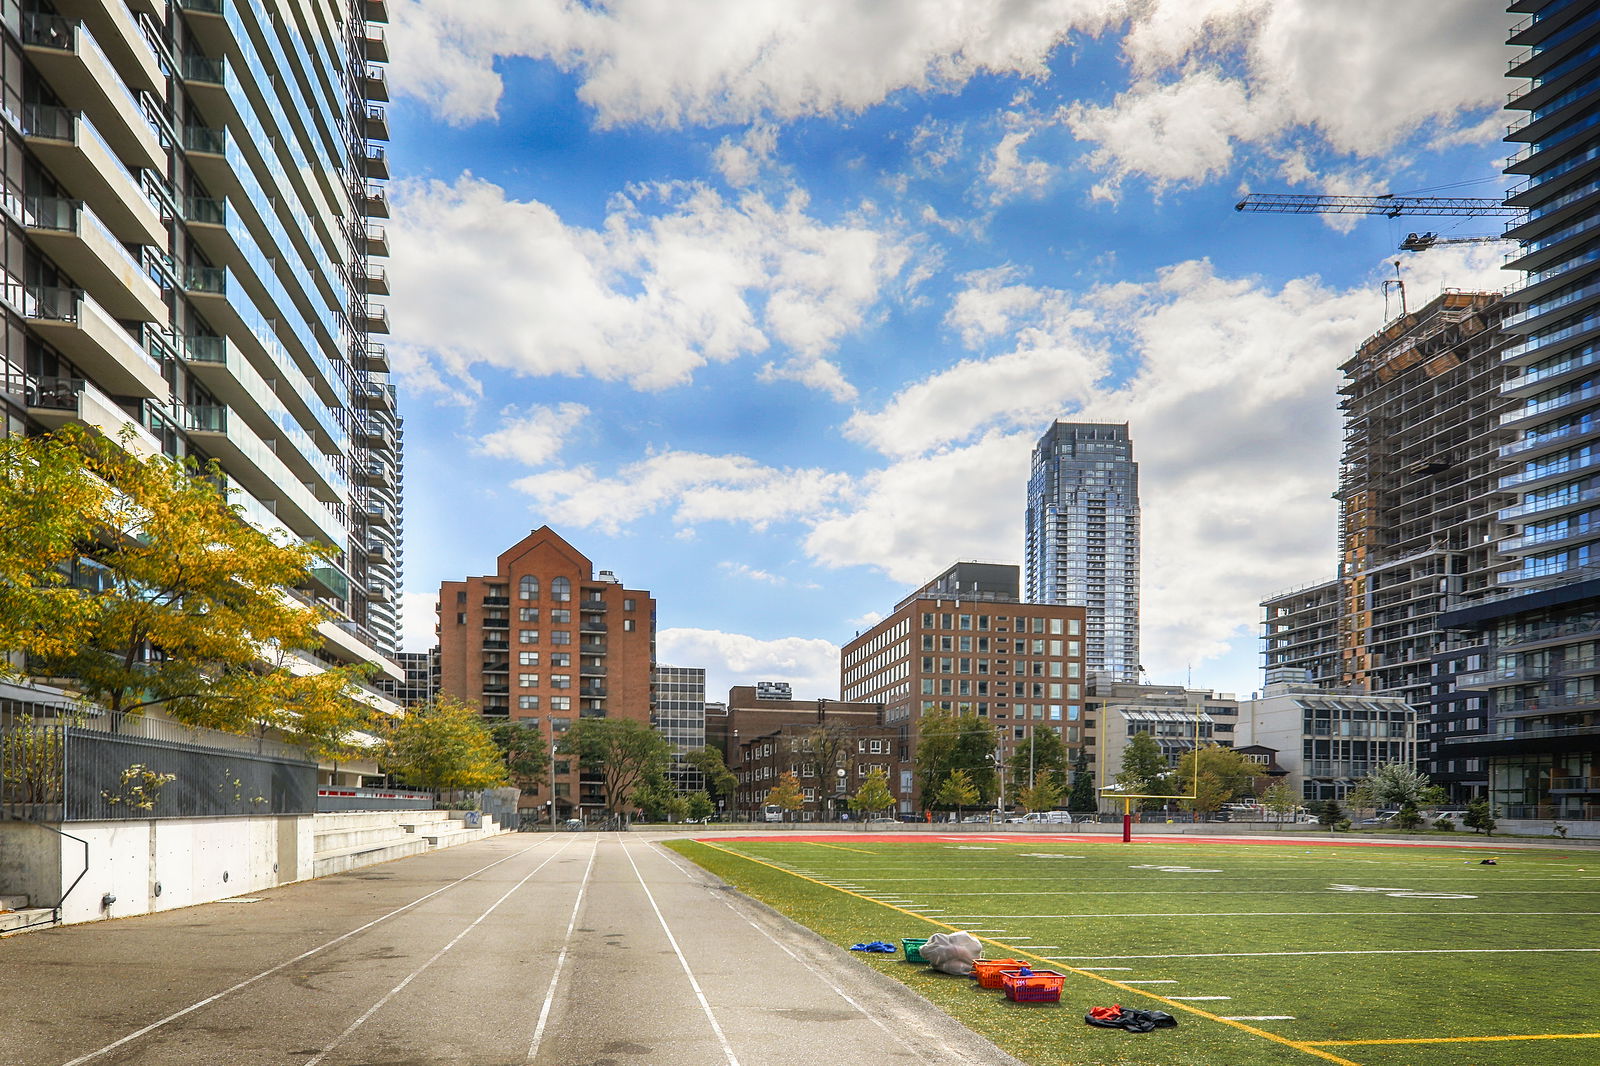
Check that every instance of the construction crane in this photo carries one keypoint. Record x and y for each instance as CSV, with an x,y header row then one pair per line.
x,y
1421,242
1387,205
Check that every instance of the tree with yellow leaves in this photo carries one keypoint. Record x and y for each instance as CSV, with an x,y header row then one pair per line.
x,y
134,583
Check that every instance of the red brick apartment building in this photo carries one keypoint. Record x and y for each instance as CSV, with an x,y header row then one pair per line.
x,y
544,641
966,642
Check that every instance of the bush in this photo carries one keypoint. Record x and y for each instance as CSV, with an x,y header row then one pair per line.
x,y
1408,817
1445,823
1480,817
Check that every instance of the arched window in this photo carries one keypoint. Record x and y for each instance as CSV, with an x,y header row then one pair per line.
x,y
528,588
560,589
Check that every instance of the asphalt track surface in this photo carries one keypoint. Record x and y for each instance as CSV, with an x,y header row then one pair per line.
x,y
554,950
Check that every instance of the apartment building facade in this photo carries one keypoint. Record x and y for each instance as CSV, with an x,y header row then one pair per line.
x,y
1082,537
545,639
680,717
965,642
189,262
1300,630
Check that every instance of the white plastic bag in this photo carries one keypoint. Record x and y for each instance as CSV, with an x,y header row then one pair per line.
x,y
952,952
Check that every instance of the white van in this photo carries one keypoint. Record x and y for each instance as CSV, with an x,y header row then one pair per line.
x,y
1048,818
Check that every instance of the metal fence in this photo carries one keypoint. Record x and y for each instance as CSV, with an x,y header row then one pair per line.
x,y
59,764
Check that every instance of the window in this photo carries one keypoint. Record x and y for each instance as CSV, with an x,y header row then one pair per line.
x,y
528,588
527,636
562,616
561,658
628,604
560,703
628,625
560,680
563,766
527,680
560,725
1074,628
561,590
1055,626
527,614
877,747
461,618
527,658
561,636
528,703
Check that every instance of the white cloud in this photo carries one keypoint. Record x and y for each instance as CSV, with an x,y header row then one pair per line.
x,y
677,276
417,619
810,665
534,437
694,488
727,61
1009,176
1211,75
741,162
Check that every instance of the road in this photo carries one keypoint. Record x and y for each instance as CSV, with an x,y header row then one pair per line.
x,y
572,950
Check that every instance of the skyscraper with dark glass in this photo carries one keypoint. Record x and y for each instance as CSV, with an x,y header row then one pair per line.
x,y
1082,538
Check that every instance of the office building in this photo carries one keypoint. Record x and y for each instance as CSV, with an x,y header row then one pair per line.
x,y
966,643
1082,537
545,639
190,259
1179,719
1325,742
680,693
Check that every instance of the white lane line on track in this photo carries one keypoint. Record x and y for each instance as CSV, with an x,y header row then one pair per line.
x,y
561,958
818,974
705,1005
191,1008
435,957
1372,951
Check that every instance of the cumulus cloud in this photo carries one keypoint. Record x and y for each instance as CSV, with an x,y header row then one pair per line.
x,y
535,436
811,666
728,61
676,277
1210,75
1010,176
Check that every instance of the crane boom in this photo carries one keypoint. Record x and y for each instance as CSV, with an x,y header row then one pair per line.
x,y
1387,205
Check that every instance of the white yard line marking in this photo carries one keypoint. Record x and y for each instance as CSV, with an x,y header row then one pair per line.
x,y
435,957
1192,998
1256,1017
1163,981
561,958
248,981
705,1005
1093,969
1372,951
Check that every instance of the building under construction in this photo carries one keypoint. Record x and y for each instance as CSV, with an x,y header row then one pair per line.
x,y
1419,489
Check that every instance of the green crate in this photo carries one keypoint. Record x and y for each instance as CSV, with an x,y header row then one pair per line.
x,y
913,948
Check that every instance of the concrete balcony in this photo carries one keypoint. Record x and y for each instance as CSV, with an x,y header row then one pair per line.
x,y
72,235
377,472
372,431
208,80
54,402
377,240
83,77
372,318
376,162
377,281
378,514
378,359
376,10
376,394
375,84
79,157
373,45
117,32
251,461
374,202
87,334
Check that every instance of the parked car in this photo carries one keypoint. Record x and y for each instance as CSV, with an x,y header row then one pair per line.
x,y
1048,818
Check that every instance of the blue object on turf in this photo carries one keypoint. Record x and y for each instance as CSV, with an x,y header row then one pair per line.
x,y
876,945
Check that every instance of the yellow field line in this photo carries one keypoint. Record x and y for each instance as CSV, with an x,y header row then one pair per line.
x,y
1454,1039
838,847
1018,953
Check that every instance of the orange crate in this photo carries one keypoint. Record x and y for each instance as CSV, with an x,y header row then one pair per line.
x,y
1040,986
987,971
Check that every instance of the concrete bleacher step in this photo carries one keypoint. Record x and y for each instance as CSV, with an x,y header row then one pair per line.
x,y
17,916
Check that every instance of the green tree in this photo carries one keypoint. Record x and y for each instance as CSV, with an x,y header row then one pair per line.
x,y
1044,794
873,796
720,780
659,800
1042,751
951,741
699,805
1280,800
786,793
134,583
1330,814
1144,770
623,752
1394,785
1222,774
958,791
1480,817
524,751
1082,799
443,744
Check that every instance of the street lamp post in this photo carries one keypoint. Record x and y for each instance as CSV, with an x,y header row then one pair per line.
x,y
838,794
1000,775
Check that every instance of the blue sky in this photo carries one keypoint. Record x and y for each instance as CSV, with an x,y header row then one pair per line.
x,y
763,304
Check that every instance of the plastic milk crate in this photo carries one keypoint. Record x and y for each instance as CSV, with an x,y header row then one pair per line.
x,y
1037,986
987,971
913,948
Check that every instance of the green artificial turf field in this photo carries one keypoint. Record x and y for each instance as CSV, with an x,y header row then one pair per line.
x,y
1266,953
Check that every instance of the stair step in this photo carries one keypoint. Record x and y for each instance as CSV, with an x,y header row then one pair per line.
x,y
15,921
13,903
